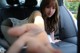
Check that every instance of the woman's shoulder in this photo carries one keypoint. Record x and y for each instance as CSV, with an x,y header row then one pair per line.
x,y
37,12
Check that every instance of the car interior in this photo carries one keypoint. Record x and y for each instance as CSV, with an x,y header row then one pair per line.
x,y
20,11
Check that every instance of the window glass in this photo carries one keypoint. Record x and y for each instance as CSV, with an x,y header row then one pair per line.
x,y
39,1
73,0
72,6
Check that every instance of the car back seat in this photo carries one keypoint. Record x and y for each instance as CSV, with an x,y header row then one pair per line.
x,y
68,30
17,13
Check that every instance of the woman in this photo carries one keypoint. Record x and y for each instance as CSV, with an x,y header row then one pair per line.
x,y
50,14
47,16
46,19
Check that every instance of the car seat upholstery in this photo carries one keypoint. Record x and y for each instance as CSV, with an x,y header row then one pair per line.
x,y
3,4
67,30
3,42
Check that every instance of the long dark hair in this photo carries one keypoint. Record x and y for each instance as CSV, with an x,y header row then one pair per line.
x,y
51,23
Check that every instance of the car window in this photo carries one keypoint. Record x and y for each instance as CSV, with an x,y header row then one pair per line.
x,y
72,6
39,1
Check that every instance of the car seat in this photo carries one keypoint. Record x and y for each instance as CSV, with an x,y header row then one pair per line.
x,y
68,30
15,13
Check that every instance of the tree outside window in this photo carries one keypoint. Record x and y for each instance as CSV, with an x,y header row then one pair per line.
x,y
72,6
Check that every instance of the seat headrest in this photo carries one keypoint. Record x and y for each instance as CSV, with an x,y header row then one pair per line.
x,y
30,3
12,2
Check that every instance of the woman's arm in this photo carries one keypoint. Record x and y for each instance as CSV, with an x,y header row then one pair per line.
x,y
36,18
53,38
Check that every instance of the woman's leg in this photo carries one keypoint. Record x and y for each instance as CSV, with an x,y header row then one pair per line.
x,y
34,37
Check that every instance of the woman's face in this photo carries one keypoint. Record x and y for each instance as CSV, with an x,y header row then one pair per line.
x,y
49,11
